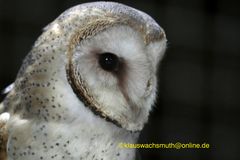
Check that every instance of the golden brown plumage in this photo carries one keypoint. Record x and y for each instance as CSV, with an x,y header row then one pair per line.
x,y
3,141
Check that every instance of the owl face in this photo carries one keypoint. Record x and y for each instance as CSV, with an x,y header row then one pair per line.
x,y
113,71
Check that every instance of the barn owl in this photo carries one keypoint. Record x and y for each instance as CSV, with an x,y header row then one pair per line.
x,y
87,85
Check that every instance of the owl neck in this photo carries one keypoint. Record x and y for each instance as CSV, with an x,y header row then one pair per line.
x,y
102,138
95,138
86,135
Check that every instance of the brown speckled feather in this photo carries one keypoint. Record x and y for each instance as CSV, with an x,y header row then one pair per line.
x,y
3,141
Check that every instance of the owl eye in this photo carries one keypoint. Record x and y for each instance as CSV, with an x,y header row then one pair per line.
x,y
109,61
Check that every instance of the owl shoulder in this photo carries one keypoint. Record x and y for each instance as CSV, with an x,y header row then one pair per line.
x,y
3,140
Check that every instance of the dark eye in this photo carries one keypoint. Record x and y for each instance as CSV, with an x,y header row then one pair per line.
x,y
109,61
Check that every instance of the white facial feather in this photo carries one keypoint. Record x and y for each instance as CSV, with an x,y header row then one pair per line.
x,y
141,63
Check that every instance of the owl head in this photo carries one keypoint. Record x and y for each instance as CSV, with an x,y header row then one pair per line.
x,y
112,59
110,53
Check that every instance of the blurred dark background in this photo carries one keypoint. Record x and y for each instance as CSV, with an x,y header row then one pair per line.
x,y
199,89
